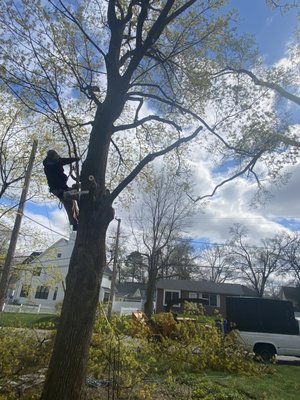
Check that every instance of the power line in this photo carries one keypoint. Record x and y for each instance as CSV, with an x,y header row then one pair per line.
x,y
46,227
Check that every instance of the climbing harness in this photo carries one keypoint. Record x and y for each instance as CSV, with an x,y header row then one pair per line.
x,y
75,210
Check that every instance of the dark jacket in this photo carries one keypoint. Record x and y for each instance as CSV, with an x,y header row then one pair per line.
x,y
54,171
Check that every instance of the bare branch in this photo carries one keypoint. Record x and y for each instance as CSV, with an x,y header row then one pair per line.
x,y
248,167
274,86
144,120
184,110
118,151
150,157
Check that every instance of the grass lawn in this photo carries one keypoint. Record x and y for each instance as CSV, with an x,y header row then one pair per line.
x,y
284,384
20,320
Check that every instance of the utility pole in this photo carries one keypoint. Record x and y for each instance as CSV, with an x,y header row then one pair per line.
x,y
114,272
16,229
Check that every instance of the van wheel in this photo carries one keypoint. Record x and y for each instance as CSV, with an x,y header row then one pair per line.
x,y
265,352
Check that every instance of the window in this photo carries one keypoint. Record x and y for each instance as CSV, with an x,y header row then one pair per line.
x,y
58,255
55,293
212,299
192,295
106,297
25,291
42,292
37,271
171,295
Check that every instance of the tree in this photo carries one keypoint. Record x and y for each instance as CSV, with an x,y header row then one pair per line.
x,y
291,257
256,265
15,144
135,268
161,215
216,264
4,240
140,76
180,260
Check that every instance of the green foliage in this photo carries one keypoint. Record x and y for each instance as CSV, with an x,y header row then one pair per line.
x,y
196,346
24,354
193,308
210,391
128,353
115,355
191,360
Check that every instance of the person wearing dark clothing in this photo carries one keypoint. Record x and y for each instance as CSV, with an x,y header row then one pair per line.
x,y
57,182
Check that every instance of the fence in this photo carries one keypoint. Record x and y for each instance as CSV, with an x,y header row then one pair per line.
x,y
119,307
26,308
126,307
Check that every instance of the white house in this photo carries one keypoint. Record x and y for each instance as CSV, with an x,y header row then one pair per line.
x,y
42,280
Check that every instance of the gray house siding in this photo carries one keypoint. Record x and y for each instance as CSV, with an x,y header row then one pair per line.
x,y
216,294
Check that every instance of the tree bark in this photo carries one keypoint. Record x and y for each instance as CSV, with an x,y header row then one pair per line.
x,y
68,365
148,308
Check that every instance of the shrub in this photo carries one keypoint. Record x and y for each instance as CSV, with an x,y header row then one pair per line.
x,y
115,356
125,354
193,308
24,356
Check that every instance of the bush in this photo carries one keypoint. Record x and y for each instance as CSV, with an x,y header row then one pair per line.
x,y
127,354
24,357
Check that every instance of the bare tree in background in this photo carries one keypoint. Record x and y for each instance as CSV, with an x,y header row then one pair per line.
x,y
256,265
215,264
291,257
179,262
158,222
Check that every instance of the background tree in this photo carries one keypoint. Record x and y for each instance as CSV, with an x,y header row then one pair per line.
x,y
256,265
158,222
134,268
4,241
179,262
87,66
16,133
215,264
291,257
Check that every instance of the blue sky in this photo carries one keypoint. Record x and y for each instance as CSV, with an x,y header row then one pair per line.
x,y
272,28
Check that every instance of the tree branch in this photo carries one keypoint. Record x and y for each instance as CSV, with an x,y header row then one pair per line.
x,y
270,85
67,14
248,167
150,157
184,110
144,120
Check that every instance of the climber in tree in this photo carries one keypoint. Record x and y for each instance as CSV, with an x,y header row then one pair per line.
x,y
57,181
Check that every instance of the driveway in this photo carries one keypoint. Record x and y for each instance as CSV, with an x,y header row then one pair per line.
x,y
284,360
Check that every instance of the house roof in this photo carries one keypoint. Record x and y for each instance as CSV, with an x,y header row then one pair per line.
x,y
36,256
205,286
107,270
31,257
130,289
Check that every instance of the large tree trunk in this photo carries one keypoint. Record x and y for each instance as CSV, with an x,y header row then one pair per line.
x,y
148,308
68,366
